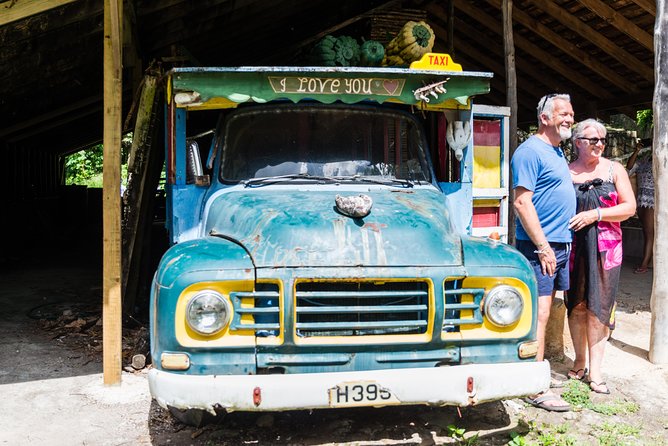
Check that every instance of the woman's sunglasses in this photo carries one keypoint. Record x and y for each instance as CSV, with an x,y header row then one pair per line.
x,y
594,141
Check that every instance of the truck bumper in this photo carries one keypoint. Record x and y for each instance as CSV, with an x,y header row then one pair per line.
x,y
461,385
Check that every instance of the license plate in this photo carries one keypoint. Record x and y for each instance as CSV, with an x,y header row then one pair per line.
x,y
360,393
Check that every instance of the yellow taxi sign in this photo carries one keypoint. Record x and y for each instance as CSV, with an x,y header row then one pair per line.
x,y
436,61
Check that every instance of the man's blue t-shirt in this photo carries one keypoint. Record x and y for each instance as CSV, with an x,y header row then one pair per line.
x,y
542,168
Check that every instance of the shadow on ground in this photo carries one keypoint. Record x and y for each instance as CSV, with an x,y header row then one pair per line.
x,y
389,425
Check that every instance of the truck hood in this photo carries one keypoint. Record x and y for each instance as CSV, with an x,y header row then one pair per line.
x,y
291,228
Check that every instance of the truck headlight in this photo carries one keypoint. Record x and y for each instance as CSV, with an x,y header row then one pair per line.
x,y
208,312
503,306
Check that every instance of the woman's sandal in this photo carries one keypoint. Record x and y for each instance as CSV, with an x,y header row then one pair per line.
x,y
594,386
640,270
575,374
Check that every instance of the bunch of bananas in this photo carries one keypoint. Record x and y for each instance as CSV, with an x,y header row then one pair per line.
x,y
413,41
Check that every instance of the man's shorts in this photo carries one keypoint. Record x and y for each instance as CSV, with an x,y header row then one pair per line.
x,y
546,284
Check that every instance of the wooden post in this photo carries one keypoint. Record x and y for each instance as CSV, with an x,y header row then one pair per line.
x,y
658,344
451,28
511,100
111,192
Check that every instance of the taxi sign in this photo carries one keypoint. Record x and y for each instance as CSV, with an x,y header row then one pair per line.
x,y
436,61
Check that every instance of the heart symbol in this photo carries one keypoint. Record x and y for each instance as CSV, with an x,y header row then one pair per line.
x,y
391,86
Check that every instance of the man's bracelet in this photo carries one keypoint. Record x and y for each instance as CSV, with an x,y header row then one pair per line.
x,y
543,250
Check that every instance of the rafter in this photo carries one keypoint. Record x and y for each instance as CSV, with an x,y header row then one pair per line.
x,y
521,42
608,46
620,22
579,55
13,11
647,5
463,46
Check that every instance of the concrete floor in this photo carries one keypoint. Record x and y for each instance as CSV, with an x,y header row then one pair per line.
x,y
51,394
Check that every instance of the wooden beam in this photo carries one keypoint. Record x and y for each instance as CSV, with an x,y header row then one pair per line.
x,y
468,51
537,88
111,192
511,75
294,48
210,18
20,9
546,57
132,62
33,26
620,22
140,192
647,5
511,100
580,56
609,47
64,114
639,100
451,28
470,59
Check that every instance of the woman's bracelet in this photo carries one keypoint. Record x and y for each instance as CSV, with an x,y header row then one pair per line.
x,y
598,211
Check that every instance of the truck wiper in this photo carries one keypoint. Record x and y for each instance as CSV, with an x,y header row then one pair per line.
x,y
328,179
281,178
405,183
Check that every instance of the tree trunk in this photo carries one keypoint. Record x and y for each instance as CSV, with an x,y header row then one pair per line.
x,y
658,345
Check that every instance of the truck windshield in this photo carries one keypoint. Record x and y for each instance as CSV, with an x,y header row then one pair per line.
x,y
341,142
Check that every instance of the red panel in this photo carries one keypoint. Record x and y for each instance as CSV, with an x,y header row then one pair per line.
x,y
485,217
486,133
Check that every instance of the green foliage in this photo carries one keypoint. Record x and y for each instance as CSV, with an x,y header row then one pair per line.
x,y
547,435
576,393
84,168
616,407
517,440
615,434
645,119
457,433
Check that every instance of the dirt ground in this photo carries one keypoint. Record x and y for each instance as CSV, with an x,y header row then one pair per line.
x,y
51,390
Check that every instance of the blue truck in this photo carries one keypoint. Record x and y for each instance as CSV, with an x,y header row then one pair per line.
x,y
316,259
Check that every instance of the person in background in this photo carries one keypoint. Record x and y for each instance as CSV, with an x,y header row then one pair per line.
x,y
544,203
604,199
642,167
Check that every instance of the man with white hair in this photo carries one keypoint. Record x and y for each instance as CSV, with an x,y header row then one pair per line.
x,y
544,203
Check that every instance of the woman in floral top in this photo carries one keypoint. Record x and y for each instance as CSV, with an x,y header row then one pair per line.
x,y
641,165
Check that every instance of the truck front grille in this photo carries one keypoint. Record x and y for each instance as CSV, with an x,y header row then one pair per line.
x,y
462,306
340,308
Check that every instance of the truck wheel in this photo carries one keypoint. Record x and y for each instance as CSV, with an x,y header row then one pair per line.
x,y
197,417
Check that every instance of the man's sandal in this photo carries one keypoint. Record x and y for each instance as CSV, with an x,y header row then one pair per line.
x,y
540,400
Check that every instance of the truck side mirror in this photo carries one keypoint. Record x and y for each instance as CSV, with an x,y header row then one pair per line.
x,y
194,171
